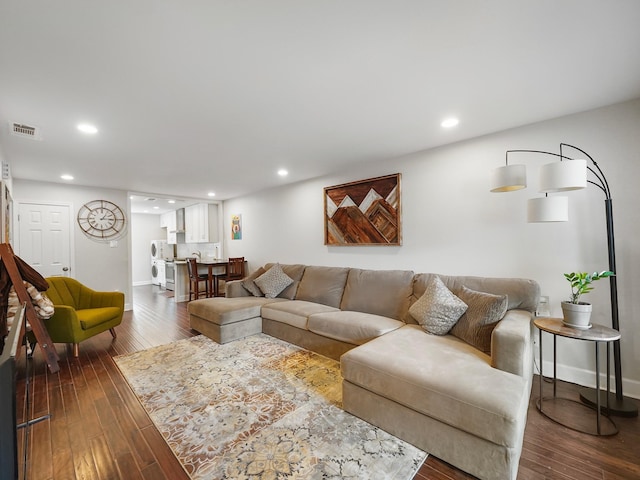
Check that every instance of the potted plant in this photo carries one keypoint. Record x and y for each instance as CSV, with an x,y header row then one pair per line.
x,y
577,314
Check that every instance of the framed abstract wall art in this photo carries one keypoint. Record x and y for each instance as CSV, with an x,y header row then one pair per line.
x,y
236,227
366,212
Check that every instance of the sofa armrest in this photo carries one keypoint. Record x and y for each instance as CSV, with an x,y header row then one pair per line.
x,y
106,299
511,344
63,326
234,289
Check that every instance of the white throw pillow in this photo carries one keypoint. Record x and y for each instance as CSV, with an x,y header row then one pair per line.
x,y
438,310
273,281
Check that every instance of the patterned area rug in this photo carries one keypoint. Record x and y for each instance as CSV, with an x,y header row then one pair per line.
x,y
260,408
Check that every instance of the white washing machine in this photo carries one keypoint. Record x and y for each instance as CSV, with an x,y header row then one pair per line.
x,y
158,248
155,273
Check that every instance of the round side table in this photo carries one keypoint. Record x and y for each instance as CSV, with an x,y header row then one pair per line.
x,y
597,334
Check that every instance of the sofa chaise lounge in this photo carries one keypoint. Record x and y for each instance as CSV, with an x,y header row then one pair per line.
x,y
438,392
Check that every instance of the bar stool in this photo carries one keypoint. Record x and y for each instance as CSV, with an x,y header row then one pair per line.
x,y
195,278
234,271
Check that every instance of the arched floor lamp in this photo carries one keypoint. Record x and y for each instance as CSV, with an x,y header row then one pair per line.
x,y
564,176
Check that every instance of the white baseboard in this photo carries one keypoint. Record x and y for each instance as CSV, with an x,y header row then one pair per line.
x,y
587,378
144,282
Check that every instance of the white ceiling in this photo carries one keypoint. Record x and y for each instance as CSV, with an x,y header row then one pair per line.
x,y
197,96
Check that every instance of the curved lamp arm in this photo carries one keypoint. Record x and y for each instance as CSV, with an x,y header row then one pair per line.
x,y
620,404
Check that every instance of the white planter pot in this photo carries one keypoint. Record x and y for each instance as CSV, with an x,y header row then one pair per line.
x,y
577,315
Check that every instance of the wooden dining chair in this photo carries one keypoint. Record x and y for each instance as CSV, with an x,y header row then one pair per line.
x,y
195,279
234,271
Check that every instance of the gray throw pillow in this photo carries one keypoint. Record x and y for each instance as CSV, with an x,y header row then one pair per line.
x,y
438,309
250,285
484,312
273,281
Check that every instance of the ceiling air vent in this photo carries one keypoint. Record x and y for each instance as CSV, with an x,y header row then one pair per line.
x,y
28,131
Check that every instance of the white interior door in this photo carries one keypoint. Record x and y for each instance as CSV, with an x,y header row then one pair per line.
x,y
44,237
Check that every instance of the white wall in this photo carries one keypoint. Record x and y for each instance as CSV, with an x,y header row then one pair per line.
x,y
144,228
96,264
453,225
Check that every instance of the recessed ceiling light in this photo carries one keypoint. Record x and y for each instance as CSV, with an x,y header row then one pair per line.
x,y
86,128
171,201
211,194
282,172
156,207
66,177
449,122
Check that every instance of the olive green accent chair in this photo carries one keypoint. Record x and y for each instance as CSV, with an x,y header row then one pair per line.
x,y
81,312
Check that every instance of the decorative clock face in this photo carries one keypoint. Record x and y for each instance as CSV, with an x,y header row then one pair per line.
x,y
101,219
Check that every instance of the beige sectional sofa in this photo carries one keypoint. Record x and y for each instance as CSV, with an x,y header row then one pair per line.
x,y
437,392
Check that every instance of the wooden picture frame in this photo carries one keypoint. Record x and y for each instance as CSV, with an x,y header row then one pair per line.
x,y
365,212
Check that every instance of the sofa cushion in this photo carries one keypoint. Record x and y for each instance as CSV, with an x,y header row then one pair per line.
x,y
296,272
407,366
294,313
222,311
484,312
379,292
273,281
323,285
351,327
438,309
521,293
250,285
91,317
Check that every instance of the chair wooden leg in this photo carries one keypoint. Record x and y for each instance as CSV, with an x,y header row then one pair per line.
x,y
113,332
76,350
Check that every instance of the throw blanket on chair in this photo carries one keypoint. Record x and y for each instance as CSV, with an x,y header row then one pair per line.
x,y
41,304
28,274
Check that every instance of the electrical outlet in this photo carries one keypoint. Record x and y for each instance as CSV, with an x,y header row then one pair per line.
x,y
543,309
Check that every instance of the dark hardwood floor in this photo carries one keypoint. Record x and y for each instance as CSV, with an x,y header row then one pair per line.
x,y
99,430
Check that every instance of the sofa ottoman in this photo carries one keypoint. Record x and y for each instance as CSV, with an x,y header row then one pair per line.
x,y
227,319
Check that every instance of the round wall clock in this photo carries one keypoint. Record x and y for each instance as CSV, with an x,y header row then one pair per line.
x,y
102,220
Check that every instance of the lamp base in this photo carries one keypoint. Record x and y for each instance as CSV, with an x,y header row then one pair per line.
x,y
623,407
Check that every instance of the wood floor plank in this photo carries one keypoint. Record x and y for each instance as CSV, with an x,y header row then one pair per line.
x,y
127,467
164,455
99,429
40,464
83,463
103,458
63,464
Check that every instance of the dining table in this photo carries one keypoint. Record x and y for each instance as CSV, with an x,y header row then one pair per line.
x,y
217,263
220,264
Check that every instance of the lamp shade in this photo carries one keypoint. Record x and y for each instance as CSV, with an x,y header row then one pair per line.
x,y
509,178
563,176
548,209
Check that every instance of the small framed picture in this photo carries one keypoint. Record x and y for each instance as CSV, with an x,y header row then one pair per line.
x,y
236,227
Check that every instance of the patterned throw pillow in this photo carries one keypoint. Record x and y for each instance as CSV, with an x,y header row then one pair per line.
x,y
484,312
250,285
438,309
273,281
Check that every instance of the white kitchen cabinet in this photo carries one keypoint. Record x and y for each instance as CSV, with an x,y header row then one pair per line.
x,y
201,223
165,218
172,236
